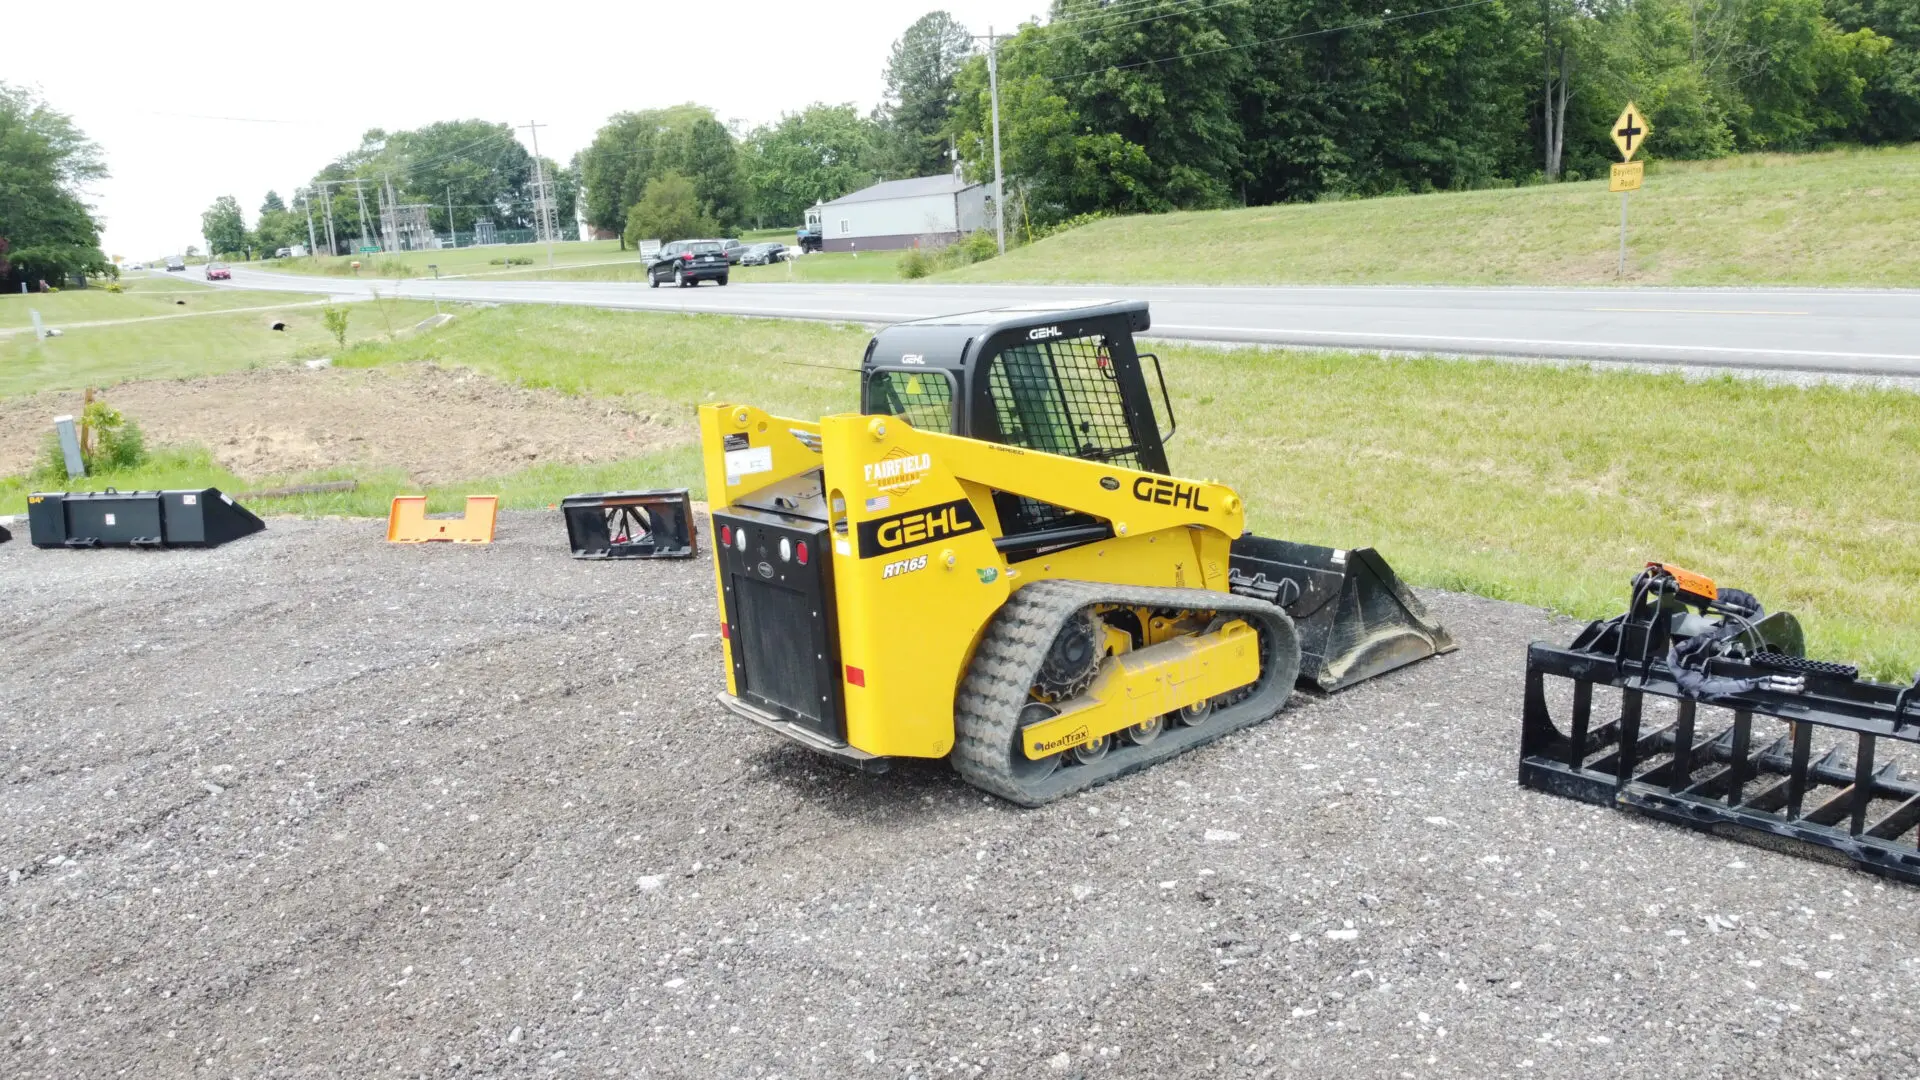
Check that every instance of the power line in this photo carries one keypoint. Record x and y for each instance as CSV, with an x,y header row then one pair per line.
x,y
1108,27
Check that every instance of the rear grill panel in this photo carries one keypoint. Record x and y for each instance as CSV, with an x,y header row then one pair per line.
x,y
779,612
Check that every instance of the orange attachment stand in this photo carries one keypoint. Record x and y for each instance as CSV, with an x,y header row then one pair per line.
x,y
407,521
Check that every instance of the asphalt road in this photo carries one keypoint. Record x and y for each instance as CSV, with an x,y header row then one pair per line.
x,y
314,805
1826,331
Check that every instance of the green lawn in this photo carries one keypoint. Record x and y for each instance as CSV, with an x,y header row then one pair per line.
x,y
1845,218
1547,485
145,295
825,266
170,348
467,260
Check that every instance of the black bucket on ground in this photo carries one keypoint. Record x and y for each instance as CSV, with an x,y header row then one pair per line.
x,y
81,519
1355,617
630,524
4,534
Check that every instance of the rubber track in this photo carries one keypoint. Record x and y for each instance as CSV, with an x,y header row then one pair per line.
x,y
987,711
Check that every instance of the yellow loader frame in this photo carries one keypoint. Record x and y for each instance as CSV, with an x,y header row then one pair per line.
x,y
917,576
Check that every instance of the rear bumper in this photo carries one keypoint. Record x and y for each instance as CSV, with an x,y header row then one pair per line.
x,y
839,751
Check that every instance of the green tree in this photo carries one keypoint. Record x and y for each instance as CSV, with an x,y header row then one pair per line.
x,y
921,95
47,230
224,228
821,152
669,210
1892,96
632,149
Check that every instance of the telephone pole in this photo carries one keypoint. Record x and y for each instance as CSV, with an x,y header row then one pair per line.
x,y
360,192
543,208
453,234
993,88
308,198
333,246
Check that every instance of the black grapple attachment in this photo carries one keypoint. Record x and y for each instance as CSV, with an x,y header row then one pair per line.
x,y
1699,708
630,524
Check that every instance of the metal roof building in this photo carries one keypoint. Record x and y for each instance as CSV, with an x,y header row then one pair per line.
x,y
898,214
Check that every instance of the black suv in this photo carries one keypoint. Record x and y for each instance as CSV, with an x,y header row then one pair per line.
x,y
688,262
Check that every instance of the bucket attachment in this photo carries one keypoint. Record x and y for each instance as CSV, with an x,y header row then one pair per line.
x,y
1702,721
1356,618
4,534
630,524
81,519
407,521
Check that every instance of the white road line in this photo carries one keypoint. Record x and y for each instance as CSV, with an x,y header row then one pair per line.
x,y
1543,343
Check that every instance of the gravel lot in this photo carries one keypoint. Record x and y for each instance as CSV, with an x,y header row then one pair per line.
x,y
312,806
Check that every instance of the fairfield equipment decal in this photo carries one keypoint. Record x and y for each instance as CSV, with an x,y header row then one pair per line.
x,y
898,471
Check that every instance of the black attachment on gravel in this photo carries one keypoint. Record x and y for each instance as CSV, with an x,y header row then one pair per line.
x,y
630,524
996,693
1763,765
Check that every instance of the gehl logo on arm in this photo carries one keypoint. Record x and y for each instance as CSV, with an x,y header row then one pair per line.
x,y
887,535
1168,493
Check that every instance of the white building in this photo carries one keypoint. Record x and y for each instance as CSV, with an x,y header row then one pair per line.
x,y
904,213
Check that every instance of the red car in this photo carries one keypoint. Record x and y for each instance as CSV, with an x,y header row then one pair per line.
x,y
218,272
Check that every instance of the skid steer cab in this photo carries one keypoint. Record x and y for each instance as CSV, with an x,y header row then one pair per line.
x,y
990,563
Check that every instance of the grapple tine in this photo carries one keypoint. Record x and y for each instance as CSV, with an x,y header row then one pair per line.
x,y
1786,796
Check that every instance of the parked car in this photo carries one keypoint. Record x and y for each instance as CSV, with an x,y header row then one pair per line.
x,y
175,262
734,250
689,262
764,254
218,272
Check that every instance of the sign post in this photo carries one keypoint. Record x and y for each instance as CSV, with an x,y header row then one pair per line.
x,y
1629,132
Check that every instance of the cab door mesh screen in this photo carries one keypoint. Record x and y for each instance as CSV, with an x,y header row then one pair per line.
x,y
1061,397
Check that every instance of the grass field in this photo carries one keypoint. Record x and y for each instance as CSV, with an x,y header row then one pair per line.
x,y
144,296
1847,218
172,348
1539,484
452,261
825,266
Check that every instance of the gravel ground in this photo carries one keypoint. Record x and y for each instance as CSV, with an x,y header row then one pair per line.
x,y
310,805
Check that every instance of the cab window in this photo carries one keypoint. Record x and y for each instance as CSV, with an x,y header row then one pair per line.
x,y
924,398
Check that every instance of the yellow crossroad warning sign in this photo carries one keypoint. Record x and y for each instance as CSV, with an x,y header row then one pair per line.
x,y
1630,131
1627,176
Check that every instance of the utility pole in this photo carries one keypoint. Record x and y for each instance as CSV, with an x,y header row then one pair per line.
x,y
542,199
993,88
360,193
309,201
453,234
333,246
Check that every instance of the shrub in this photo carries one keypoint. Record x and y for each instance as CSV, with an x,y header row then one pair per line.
x,y
395,268
115,443
916,264
976,246
115,287
511,260
335,320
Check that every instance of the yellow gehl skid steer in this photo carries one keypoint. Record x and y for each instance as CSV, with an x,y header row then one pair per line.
x,y
990,563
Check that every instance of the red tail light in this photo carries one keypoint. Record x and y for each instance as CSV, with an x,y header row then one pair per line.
x,y
688,255
726,535
800,552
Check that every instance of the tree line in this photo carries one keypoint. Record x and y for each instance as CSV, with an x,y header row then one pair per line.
x,y
47,228
461,171
1131,106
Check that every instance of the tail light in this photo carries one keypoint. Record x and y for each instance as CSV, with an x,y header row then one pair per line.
x,y
726,535
687,255
800,553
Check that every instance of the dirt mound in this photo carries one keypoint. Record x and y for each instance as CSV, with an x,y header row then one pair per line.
x,y
437,425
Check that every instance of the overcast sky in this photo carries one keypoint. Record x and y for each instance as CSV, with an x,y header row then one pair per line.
x,y
143,80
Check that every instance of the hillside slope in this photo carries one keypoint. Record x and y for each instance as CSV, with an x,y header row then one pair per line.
x,y
1841,218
